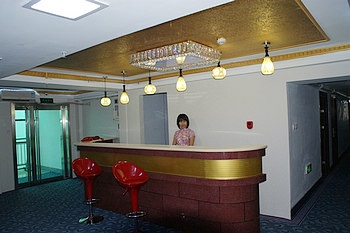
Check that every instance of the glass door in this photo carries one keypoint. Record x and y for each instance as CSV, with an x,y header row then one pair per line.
x,y
42,144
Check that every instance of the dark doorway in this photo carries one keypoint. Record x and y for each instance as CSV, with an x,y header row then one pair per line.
x,y
333,113
324,126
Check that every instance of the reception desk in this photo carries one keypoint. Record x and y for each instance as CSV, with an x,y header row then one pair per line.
x,y
193,189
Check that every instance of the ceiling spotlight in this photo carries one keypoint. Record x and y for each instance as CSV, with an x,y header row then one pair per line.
x,y
180,60
221,41
63,54
267,67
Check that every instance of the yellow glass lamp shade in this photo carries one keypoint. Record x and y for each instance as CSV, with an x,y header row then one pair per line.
x,y
219,72
124,98
105,101
267,67
181,84
150,89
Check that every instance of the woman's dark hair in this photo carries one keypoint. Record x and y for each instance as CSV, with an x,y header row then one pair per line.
x,y
182,117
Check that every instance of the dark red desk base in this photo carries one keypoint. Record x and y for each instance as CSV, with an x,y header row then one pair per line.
x,y
189,204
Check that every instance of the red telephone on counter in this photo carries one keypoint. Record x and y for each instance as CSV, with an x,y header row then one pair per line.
x,y
90,138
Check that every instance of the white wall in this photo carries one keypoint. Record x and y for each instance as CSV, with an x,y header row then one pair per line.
x,y
219,109
99,120
304,131
7,177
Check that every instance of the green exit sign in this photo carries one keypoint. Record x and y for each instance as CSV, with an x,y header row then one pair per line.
x,y
46,100
308,168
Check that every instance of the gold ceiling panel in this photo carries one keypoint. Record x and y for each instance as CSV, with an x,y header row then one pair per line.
x,y
245,24
283,57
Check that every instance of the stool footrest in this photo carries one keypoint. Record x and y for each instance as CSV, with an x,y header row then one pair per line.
x,y
92,201
136,214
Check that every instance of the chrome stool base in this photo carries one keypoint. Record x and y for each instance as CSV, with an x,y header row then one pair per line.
x,y
136,215
91,219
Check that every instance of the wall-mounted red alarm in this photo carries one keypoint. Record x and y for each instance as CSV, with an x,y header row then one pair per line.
x,y
249,124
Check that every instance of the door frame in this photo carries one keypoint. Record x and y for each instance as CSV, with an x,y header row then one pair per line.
x,y
154,117
32,107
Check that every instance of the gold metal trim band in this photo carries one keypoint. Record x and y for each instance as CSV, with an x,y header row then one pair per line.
x,y
227,169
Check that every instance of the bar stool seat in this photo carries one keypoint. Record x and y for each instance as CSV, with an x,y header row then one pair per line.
x,y
131,177
87,170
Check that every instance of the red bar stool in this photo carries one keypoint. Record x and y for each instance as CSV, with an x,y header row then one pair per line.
x,y
131,177
87,170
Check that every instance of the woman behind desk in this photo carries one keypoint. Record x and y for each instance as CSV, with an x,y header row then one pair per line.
x,y
184,136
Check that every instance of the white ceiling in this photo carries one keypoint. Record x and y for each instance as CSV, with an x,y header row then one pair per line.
x,y
30,38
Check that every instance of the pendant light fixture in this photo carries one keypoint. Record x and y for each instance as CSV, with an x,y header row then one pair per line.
x,y
124,98
150,89
105,101
181,84
219,72
186,54
267,67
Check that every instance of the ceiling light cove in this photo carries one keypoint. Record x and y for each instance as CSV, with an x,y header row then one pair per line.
x,y
70,9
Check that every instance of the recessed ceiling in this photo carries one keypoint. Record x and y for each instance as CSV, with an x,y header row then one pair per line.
x,y
47,52
244,24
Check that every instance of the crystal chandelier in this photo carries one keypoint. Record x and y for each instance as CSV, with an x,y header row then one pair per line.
x,y
185,55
